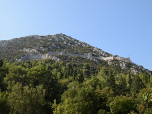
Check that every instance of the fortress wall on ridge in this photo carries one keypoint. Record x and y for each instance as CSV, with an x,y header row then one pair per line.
x,y
75,55
108,58
24,58
35,57
84,56
89,55
72,55
54,53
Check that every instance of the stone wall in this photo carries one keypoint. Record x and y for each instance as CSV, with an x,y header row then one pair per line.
x,y
84,56
24,58
34,57
75,55
31,57
89,55
71,54
54,53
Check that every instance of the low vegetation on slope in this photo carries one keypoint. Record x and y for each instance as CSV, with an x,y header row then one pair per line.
x,y
18,47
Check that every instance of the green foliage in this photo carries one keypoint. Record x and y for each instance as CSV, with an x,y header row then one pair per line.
x,y
35,74
122,105
103,96
110,80
17,74
80,77
69,69
129,80
26,99
144,100
94,82
137,84
102,112
148,111
144,77
86,70
2,75
103,72
52,86
81,99
90,88
4,106
122,86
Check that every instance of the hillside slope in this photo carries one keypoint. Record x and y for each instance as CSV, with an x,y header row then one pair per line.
x,y
16,48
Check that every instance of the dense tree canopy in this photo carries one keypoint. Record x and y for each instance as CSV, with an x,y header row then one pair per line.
x,y
47,87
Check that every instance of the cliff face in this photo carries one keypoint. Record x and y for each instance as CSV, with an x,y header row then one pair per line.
x,y
43,47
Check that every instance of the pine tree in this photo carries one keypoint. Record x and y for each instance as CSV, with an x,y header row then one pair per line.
x,y
74,74
137,84
80,77
69,69
129,79
103,72
122,85
111,79
86,70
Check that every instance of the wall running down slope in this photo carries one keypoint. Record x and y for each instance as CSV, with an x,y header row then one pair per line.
x,y
89,56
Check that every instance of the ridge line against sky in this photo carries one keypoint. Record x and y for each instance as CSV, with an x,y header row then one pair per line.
x,y
118,27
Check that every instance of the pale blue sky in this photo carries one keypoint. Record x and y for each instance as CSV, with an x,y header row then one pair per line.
x,y
120,27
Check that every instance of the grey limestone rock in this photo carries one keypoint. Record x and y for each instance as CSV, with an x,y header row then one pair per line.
x,y
134,71
29,50
110,62
55,58
123,65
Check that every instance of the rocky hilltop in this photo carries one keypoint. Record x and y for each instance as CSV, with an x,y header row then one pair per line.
x,y
43,47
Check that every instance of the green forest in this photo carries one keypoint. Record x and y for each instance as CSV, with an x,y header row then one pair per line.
x,y
67,87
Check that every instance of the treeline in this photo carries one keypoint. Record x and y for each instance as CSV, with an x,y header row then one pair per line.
x,y
49,87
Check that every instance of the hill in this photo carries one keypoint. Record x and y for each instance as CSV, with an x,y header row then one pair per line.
x,y
43,47
59,74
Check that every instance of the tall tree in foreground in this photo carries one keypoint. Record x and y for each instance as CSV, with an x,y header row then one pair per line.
x,y
79,99
1,75
26,99
4,106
